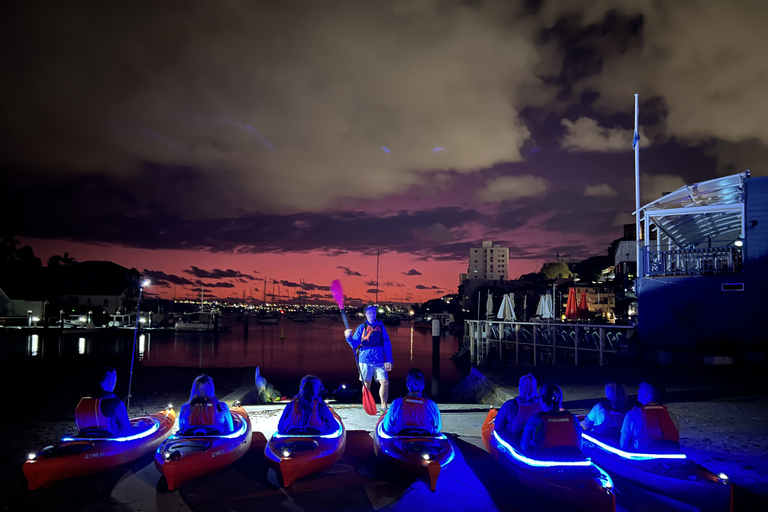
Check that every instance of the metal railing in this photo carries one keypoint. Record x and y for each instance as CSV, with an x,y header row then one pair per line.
x,y
546,342
707,260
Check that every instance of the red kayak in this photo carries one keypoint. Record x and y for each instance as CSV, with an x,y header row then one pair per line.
x,y
671,474
414,451
198,451
96,451
297,455
578,484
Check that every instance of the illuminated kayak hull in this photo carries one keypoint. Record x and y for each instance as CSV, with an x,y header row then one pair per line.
x,y
423,456
296,456
670,474
579,485
195,452
79,456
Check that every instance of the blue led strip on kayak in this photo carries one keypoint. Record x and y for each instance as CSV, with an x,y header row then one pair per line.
x,y
384,435
631,455
441,436
141,435
233,435
336,433
539,463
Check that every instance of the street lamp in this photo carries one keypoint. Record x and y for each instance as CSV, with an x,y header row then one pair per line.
x,y
144,284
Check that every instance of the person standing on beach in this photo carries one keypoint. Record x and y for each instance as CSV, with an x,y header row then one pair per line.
x,y
103,410
204,409
375,357
415,410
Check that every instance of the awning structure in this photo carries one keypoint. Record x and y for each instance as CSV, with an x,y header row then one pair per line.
x,y
710,213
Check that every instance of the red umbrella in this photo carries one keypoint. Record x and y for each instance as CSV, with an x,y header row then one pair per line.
x,y
571,309
583,308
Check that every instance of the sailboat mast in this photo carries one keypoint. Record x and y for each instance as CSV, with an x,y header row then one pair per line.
x,y
377,277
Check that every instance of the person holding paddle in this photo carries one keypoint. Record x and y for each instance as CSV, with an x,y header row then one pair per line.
x,y
375,357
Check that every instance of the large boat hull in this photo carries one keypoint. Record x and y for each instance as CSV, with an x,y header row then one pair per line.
x,y
678,478
584,487
296,456
423,456
79,456
183,457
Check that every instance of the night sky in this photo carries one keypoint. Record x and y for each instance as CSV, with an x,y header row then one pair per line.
x,y
224,142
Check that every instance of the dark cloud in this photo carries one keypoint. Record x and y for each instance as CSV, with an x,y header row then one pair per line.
x,y
159,277
350,272
412,272
218,274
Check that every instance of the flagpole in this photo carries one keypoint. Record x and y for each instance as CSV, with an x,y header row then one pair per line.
x,y
636,147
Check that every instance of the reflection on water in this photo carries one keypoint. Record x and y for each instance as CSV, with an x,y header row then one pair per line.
x,y
32,344
285,352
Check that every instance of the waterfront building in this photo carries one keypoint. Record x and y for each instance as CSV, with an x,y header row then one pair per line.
x,y
489,262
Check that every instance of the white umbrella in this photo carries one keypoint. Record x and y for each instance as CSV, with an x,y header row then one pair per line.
x,y
544,309
489,306
507,309
512,306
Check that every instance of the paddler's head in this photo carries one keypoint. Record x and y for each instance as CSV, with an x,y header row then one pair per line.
x,y
370,314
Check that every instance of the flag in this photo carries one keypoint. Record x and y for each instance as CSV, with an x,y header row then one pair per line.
x,y
635,140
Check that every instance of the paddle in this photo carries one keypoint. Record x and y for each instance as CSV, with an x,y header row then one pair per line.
x,y
369,404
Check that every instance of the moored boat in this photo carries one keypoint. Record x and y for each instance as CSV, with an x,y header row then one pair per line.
x,y
577,483
200,321
669,473
198,451
414,451
298,455
93,452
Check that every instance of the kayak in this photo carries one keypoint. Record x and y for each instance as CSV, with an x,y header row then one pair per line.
x,y
671,474
94,451
198,451
296,455
577,483
414,451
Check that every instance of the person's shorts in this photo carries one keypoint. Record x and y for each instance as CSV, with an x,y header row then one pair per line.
x,y
367,371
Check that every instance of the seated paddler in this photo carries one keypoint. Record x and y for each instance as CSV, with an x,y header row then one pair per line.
x,y
414,412
552,432
103,412
606,417
649,426
204,409
514,414
307,413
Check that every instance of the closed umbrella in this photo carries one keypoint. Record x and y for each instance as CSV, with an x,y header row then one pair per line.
x,y
512,307
506,311
489,306
572,308
583,307
544,309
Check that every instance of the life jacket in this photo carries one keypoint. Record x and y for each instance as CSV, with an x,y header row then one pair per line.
x,y
611,423
203,414
88,415
415,413
313,421
558,430
524,412
372,336
658,424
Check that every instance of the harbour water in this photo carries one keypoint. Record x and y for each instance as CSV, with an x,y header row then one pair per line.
x,y
284,352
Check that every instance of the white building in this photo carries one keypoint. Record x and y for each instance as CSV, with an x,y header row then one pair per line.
x,y
489,262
